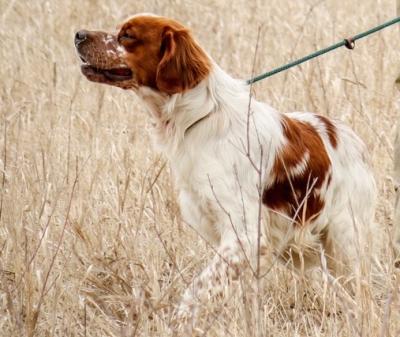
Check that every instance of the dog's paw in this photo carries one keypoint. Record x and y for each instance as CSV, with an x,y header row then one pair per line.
x,y
183,320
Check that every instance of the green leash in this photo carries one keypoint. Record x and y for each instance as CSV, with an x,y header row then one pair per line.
x,y
348,43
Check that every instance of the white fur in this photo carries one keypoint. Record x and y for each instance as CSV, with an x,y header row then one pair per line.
x,y
219,163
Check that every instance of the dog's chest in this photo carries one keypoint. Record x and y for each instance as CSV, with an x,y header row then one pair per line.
x,y
201,182
200,213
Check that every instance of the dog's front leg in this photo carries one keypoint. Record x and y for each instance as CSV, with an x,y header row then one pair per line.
x,y
234,255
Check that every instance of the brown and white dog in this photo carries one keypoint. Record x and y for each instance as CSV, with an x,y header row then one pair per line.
x,y
250,179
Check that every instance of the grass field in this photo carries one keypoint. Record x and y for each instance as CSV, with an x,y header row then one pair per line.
x,y
91,241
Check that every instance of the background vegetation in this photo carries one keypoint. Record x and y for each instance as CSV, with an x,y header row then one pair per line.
x,y
91,242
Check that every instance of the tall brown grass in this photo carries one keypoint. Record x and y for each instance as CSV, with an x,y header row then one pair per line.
x,y
91,241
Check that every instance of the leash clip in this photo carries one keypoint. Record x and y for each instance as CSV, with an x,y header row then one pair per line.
x,y
349,43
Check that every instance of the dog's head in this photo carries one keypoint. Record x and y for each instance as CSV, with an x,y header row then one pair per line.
x,y
148,51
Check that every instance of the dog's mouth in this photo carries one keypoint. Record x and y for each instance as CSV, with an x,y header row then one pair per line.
x,y
117,74
99,74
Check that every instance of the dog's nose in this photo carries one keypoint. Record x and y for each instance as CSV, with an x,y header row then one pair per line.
x,y
81,36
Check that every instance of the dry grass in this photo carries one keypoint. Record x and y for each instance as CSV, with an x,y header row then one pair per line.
x,y
91,242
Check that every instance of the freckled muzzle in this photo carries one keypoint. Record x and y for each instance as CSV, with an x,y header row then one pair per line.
x,y
103,59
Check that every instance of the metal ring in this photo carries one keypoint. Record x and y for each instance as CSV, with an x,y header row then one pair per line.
x,y
349,43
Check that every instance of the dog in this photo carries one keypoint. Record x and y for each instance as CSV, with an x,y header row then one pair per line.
x,y
251,180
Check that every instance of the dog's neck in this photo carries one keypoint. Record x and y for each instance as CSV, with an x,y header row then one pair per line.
x,y
213,101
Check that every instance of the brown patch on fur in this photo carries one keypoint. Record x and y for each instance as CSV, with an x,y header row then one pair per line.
x,y
330,130
235,271
163,54
263,250
293,192
209,212
199,283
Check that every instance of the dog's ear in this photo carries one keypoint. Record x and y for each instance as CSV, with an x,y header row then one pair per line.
x,y
183,63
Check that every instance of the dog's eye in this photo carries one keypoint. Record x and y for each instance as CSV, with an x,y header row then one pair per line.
x,y
127,39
